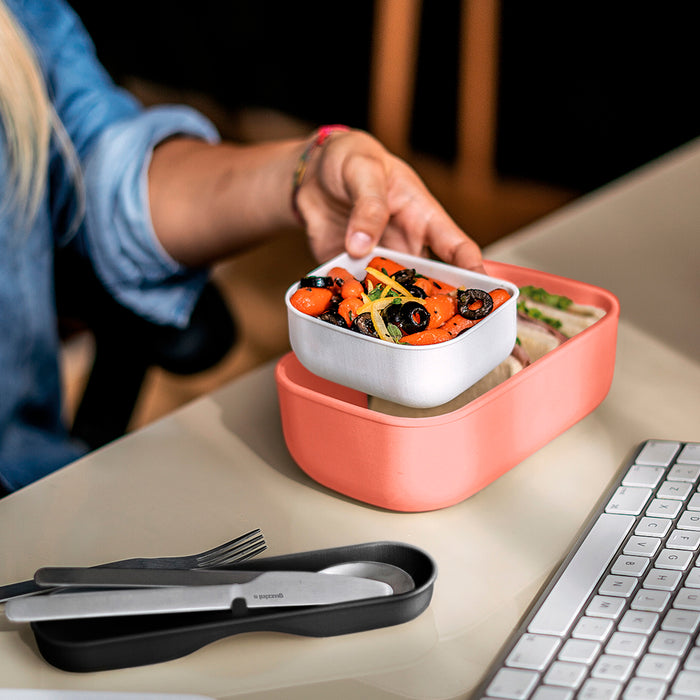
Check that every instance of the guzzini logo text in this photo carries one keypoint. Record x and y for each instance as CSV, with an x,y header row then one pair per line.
x,y
267,596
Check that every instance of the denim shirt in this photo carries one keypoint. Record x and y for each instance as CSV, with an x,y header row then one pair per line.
x,y
113,137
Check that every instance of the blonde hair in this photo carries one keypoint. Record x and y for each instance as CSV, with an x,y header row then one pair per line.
x,y
29,121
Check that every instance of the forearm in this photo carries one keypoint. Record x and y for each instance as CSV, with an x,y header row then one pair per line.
x,y
208,202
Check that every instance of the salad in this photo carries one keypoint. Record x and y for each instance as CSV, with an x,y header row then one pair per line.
x,y
394,303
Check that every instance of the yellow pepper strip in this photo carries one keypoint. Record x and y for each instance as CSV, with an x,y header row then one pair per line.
x,y
390,282
379,304
379,325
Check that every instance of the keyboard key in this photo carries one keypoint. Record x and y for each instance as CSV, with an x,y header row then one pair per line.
x,y
651,600
566,674
645,689
628,500
605,606
687,599
594,628
638,621
657,453
664,508
633,566
657,527
618,585
677,490
671,643
647,477
662,579
579,651
693,578
690,454
512,684
626,644
597,689
688,683
692,661
533,652
559,610
548,692
684,472
684,539
694,502
644,546
676,559
657,666
613,668
677,620
689,520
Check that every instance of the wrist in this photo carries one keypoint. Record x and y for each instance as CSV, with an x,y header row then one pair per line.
x,y
319,138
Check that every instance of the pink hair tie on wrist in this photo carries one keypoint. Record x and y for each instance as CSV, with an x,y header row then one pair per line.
x,y
319,139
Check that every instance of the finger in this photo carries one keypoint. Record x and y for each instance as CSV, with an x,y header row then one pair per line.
x,y
452,245
366,184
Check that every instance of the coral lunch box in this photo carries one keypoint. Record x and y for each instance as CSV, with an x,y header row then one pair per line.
x,y
413,464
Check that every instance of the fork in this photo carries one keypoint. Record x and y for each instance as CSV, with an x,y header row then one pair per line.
x,y
236,550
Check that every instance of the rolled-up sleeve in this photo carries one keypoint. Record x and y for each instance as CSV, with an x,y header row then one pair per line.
x,y
118,233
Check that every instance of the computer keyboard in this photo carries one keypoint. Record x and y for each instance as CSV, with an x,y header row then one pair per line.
x,y
620,618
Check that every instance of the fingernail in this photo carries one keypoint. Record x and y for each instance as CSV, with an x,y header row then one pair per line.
x,y
359,244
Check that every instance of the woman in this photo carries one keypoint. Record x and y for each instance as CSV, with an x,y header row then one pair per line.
x,y
153,197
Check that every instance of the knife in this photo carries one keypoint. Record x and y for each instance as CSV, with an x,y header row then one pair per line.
x,y
268,589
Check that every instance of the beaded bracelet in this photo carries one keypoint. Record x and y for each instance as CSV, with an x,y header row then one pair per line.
x,y
321,135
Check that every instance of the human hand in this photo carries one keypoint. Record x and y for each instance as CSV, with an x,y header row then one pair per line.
x,y
355,195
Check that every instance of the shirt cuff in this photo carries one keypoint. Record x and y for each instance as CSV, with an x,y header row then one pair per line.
x,y
118,233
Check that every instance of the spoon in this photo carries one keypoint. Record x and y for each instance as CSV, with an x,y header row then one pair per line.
x,y
399,580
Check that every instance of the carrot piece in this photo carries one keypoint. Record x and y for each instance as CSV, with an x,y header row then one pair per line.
x,y
426,285
457,324
348,308
351,288
441,307
499,296
440,287
312,300
385,265
430,336
339,275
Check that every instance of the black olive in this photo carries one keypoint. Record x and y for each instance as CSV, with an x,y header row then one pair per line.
x,y
334,318
413,317
417,291
404,277
315,281
392,314
466,297
363,324
334,302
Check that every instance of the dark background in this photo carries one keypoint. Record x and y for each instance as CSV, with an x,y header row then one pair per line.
x,y
587,92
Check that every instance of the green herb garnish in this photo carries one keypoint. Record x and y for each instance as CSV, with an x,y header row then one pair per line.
x,y
375,293
536,313
544,297
394,332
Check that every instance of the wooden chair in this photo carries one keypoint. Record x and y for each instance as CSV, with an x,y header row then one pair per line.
x,y
485,204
